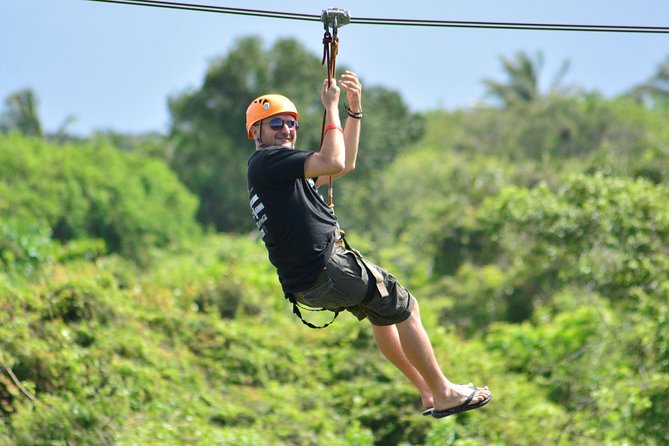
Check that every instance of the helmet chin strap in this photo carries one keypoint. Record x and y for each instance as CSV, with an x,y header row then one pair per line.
x,y
259,140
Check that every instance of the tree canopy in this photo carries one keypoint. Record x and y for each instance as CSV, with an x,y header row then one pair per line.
x,y
656,88
94,191
21,113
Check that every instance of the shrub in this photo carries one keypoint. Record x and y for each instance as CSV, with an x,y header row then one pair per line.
x,y
24,246
95,191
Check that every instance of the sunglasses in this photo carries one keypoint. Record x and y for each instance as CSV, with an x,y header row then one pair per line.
x,y
277,124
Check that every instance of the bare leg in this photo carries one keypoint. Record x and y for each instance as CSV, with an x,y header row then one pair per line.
x,y
418,350
388,340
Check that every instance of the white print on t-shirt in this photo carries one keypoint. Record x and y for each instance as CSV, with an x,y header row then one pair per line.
x,y
259,213
312,184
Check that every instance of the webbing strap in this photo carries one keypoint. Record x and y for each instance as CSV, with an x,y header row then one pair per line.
x,y
296,312
380,285
330,50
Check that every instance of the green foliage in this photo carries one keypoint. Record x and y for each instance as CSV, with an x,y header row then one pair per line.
x,y
609,233
552,128
442,434
581,260
104,353
24,247
20,114
637,149
386,131
523,83
94,191
432,196
433,190
584,357
150,144
535,238
654,90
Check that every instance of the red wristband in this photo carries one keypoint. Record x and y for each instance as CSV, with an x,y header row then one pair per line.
x,y
332,126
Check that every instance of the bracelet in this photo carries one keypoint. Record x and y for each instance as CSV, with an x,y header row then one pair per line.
x,y
352,114
332,126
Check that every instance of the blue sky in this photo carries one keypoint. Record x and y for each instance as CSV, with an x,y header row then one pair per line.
x,y
113,66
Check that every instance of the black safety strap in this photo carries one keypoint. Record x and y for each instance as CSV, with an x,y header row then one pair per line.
x,y
296,312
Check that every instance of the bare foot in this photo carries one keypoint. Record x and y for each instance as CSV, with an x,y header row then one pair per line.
x,y
458,394
426,400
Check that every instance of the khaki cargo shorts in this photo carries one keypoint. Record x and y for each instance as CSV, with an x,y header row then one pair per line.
x,y
345,284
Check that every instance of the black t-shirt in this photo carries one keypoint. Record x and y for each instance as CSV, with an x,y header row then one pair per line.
x,y
295,223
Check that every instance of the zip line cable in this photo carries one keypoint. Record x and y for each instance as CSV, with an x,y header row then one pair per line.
x,y
213,8
513,25
396,22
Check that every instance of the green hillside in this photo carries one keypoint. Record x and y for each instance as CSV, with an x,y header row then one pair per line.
x,y
138,307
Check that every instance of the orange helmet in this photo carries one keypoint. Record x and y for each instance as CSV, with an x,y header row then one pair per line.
x,y
267,105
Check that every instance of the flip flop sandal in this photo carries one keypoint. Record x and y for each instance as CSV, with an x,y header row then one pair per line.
x,y
428,412
464,407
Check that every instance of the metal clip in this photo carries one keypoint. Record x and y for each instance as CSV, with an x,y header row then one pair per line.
x,y
335,17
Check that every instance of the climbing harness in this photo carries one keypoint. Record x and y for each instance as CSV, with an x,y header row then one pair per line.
x,y
364,264
332,18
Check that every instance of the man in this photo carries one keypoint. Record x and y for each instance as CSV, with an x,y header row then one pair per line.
x,y
314,265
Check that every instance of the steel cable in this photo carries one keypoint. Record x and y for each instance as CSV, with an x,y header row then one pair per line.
x,y
397,22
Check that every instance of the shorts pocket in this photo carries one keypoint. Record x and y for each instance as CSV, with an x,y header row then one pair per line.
x,y
329,295
317,296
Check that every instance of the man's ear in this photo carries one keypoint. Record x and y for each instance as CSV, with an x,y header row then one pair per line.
x,y
255,131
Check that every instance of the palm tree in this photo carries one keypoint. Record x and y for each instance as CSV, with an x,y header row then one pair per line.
x,y
655,89
21,113
523,84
